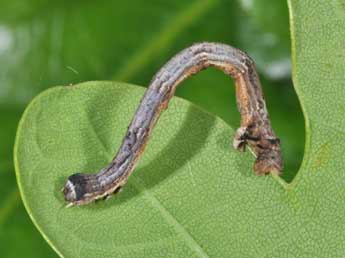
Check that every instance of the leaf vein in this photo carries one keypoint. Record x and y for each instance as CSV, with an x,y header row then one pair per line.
x,y
191,242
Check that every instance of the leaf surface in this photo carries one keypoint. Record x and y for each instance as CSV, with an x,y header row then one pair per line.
x,y
192,195
44,43
167,205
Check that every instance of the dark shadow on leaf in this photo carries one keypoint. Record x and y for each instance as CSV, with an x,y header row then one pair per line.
x,y
186,144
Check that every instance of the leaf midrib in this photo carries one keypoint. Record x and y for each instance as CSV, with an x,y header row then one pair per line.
x,y
169,218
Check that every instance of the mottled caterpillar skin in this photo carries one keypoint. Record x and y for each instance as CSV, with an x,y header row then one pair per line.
x,y
255,130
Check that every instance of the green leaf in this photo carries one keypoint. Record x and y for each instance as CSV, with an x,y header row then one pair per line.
x,y
192,195
44,43
179,196
45,35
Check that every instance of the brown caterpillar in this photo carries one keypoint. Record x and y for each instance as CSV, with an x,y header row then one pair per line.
x,y
255,130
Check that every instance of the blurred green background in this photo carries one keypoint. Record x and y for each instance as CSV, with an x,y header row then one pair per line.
x,y
46,43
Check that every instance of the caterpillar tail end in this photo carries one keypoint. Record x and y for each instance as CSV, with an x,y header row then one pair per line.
x,y
266,149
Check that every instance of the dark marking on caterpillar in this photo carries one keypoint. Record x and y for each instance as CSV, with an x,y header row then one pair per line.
x,y
255,130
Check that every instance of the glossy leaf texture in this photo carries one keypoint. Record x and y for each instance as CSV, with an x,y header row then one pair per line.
x,y
192,195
